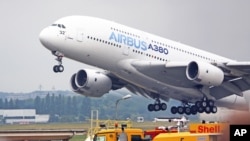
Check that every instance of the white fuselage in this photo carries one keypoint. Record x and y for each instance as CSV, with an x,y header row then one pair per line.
x,y
113,47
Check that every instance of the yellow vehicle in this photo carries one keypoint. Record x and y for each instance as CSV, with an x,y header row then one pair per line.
x,y
197,132
138,135
119,134
208,127
186,136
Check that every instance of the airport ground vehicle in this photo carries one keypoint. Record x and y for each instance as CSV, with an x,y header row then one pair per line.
x,y
187,136
198,131
157,135
111,130
150,134
115,134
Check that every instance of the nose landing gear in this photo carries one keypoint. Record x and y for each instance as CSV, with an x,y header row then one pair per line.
x,y
59,67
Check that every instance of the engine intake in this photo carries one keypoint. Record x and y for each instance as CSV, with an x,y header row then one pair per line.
x,y
204,73
90,83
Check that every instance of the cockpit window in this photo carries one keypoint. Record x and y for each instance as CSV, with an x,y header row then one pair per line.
x,y
59,25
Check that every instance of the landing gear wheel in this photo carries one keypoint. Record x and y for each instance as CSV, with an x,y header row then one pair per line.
x,y
157,107
204,103
194,109
150,107
187,110
55,69
214,109
174,110
200,109
210,103
163,106
207,110
198,103
180,109
58,68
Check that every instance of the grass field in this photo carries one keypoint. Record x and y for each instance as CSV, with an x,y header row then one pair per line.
x,y
78,138
52,126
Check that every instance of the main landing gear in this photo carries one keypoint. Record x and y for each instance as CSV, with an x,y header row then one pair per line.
x,y
157,106
59,67
205,105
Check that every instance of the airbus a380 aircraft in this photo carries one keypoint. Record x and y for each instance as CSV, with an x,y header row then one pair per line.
x,y
146,64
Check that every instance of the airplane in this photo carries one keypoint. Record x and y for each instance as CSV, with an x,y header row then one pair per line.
x,y
147,65
181,122
172,119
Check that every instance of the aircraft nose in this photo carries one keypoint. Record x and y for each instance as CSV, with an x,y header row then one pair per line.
x,y
43,36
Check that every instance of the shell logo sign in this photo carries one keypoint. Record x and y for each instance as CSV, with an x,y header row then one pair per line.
x,y
207,127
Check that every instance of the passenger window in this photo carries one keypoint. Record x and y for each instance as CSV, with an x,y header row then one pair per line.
x,y
63,26
59,25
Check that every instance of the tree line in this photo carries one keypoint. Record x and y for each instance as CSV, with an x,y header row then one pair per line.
x,y
60,108
77,108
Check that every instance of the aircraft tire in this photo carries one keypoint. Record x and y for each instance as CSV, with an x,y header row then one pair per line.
x,y
173,110
180,109
208,109
157,107
210,103
214,109
60,68
194,109
150,107
163,106
200,109
55,69
187,110
198,103
204,103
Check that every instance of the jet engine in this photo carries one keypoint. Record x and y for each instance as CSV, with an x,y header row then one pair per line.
x,y
204,73
90,83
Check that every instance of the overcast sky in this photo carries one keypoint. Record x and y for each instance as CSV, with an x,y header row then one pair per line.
x,y
218,26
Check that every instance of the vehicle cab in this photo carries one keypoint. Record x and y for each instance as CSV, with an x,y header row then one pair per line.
x,y
115,134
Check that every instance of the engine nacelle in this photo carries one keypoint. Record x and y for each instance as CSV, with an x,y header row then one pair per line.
x,y
90,83
204,73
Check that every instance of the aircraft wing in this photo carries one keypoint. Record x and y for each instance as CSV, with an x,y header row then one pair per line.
x,y
235,86
174,73
238,80
240,66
